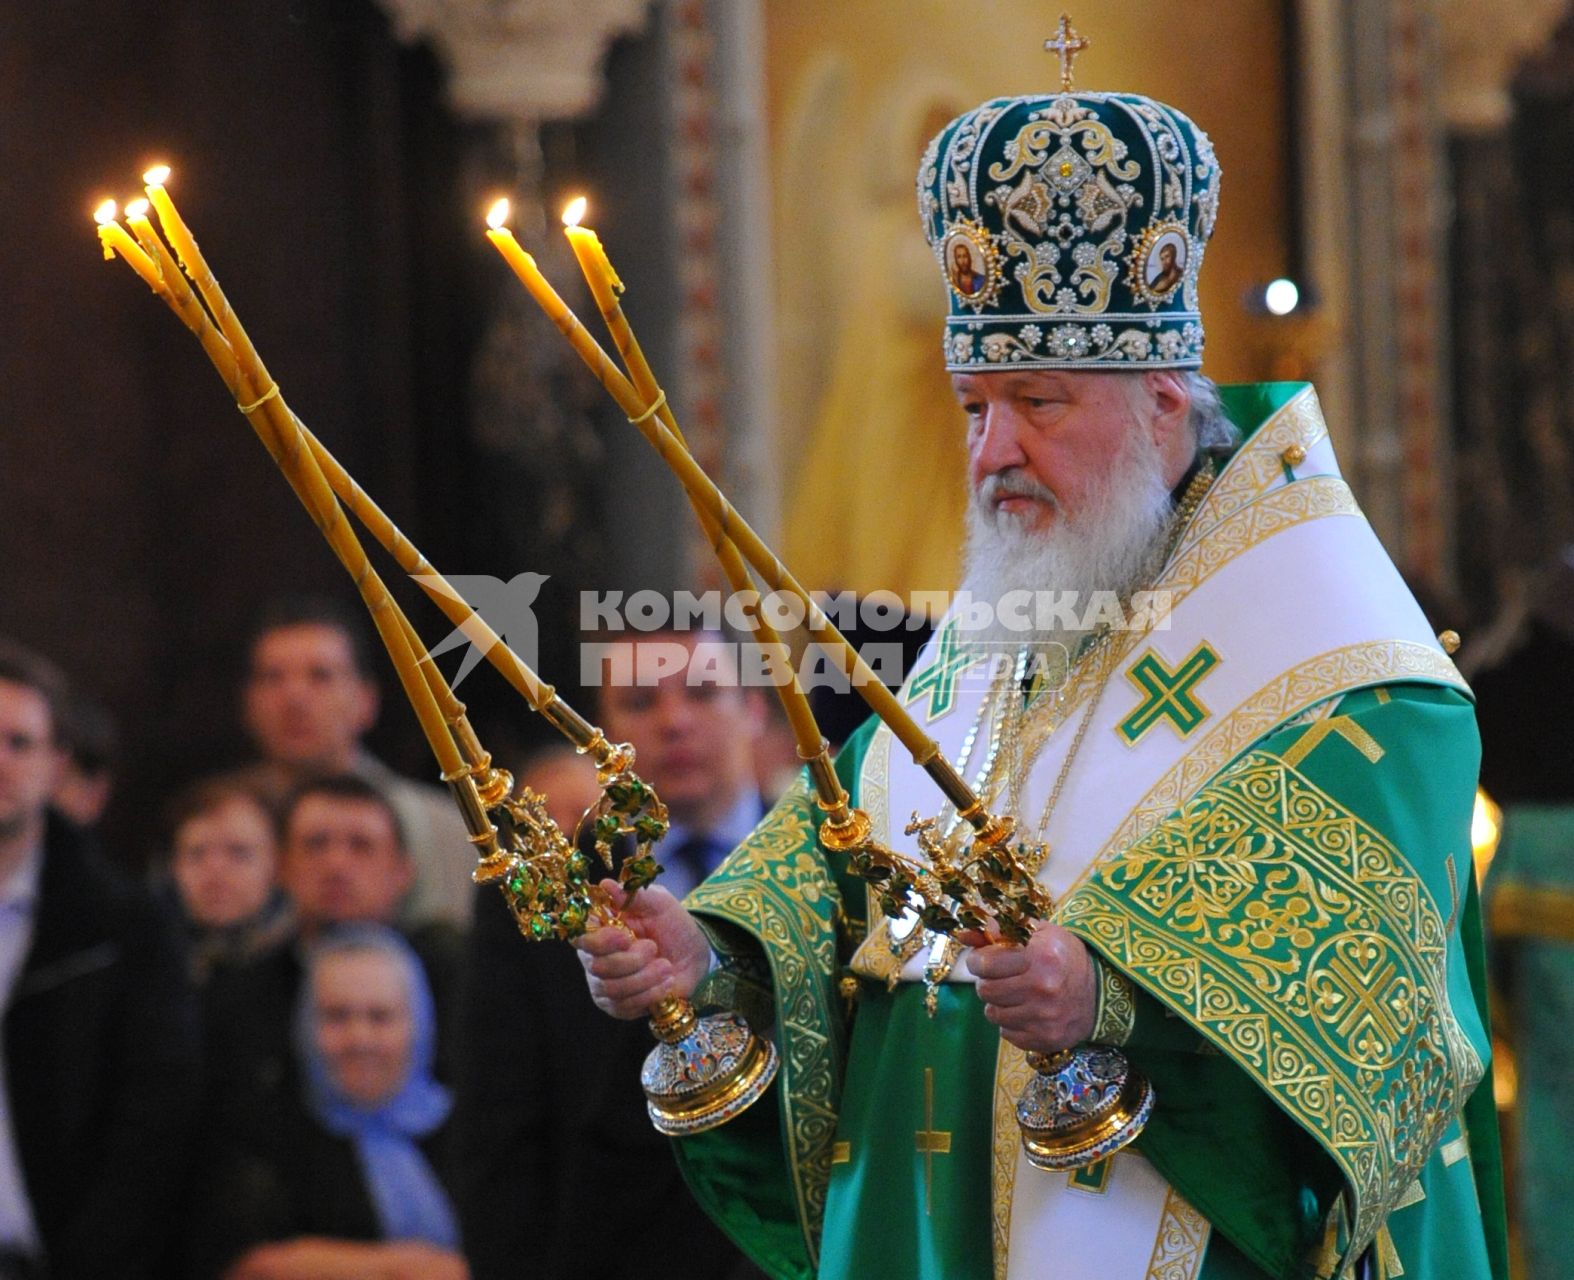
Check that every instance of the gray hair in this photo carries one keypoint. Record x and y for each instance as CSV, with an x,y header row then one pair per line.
x,y
1209,423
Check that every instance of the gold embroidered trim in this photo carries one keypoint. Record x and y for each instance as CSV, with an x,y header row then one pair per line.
x,y
1257,466
1331,674
775,886
1011,1076
1298,939
1116,1013
1181,1243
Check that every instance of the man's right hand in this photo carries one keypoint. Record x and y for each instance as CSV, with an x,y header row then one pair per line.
x,y
661,953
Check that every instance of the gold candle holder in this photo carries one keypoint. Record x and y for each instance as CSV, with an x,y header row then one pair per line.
x,y
705,1070
1083,1102
1081,1105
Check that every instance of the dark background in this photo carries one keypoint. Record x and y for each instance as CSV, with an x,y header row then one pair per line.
x,y
339,201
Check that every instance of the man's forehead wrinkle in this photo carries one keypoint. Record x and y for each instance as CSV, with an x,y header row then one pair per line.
x,y
1012,380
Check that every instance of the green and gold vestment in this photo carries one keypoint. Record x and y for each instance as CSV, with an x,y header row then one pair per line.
x,y
1282,897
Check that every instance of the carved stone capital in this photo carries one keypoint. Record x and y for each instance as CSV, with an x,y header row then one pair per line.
x,y
1483,45
512,60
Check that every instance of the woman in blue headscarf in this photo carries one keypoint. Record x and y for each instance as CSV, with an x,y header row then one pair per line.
x,y
350,1184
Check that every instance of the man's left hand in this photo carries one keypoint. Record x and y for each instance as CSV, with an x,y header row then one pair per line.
x,y
1043,996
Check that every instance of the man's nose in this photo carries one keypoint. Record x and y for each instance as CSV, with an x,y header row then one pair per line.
x,y
338,858
998,445
673,712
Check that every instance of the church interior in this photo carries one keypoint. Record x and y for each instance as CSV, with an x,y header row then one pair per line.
x,y
1396,227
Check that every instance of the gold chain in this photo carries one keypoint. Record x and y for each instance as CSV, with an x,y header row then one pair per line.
x,y
1005,710
1184,511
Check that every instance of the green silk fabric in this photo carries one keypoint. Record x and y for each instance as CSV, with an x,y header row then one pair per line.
x,y
1293,1189
1305,941
890,1209
1530,898
1307,922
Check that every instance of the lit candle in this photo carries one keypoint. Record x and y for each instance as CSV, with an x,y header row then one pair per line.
x,y
174,226
279,432
176,291
605,286
592,257
703,490
183,301
115,240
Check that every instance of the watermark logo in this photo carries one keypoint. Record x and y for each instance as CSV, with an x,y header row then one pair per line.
x,y
506,607
630,639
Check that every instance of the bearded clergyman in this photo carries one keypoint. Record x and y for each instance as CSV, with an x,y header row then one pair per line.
x,y
1255,801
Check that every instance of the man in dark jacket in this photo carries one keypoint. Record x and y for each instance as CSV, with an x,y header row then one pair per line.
x,y
550,1121
99,1041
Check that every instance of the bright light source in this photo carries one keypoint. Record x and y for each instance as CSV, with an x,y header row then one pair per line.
x,y
1483,825
1486,828
157,176
1281,297
105,213
138,208
497,215
574,211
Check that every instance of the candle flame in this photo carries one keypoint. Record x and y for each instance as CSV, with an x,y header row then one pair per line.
x,y
1486,828
497,215
105,213
138,208
574,211
157,176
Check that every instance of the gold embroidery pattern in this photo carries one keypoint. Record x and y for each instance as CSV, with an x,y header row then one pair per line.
x,y
874,798
776,888
1182,1241
1116,1015
1299,940
1280,509
1336,672
1011,1077
1257,466
1314,498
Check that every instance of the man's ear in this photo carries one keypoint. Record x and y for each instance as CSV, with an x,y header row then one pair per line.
x,y
1171,423
406,874
754,698
368,702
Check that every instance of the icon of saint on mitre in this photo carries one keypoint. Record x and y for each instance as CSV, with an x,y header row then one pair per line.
x,y
1162,267
968,265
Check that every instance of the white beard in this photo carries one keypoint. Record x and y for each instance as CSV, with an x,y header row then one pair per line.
x,y
1114,546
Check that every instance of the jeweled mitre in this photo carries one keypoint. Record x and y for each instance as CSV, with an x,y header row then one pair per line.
x,y
1070,230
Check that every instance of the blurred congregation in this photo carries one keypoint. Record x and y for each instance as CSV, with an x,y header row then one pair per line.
x,y
258,1024
303,1046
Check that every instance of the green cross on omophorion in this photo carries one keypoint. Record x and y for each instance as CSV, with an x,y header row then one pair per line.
x,y
1167,694
938,679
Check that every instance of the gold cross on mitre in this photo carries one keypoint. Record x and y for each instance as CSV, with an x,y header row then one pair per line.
x,y
1066,45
